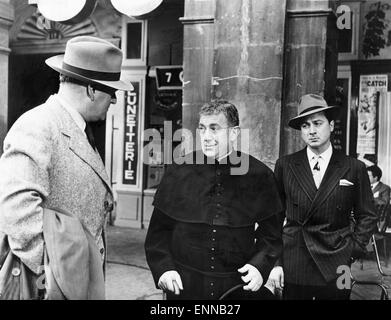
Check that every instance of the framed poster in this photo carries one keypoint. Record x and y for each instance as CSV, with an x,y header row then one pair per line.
x,y
370,86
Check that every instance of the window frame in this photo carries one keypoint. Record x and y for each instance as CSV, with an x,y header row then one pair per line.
x,y
142,61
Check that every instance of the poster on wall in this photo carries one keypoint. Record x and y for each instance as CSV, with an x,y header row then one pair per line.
x,y
370,85
131,132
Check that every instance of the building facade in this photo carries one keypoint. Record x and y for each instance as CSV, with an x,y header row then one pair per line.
x,y
363,83
261,55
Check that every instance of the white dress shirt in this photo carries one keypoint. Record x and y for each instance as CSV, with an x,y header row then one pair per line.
x,y
323,160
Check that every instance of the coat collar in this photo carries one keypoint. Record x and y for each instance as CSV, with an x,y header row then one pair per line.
x,y
79,144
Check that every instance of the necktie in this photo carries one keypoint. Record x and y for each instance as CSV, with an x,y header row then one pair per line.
x,y
316,172
90,136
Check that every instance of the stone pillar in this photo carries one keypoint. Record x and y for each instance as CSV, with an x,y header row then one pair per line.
x,y
310,60
198,41
6,19
248,68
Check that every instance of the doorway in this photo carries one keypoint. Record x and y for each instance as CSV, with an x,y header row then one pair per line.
x,y
31,82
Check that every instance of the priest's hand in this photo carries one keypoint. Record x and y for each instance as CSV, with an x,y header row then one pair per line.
x,y
253,278
276,277
171,281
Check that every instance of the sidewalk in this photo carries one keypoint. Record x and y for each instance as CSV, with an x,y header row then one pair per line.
x,y
128,275
129,278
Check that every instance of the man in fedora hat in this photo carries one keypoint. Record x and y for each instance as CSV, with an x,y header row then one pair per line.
x,y
55,195
322,188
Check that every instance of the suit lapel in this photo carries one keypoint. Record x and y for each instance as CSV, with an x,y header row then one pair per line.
x,y
302,172
335,171
79,145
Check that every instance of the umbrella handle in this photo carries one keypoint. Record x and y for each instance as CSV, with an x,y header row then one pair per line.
x,y
229,291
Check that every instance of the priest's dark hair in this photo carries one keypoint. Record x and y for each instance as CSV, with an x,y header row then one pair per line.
x,y
222,106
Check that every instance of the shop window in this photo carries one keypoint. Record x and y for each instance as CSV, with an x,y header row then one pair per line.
x,y
163,114
134,41
342,124
376,30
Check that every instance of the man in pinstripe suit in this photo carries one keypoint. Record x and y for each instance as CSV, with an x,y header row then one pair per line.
x,y
321,189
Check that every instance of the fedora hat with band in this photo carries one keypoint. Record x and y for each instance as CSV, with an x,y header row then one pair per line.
x,y
309,104
91,60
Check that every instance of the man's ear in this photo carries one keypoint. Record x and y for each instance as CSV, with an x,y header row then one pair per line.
x,y
332,125
234,134
90,92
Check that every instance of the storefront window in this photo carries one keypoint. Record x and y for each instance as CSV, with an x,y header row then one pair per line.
x,y
163,112
134,41
133,44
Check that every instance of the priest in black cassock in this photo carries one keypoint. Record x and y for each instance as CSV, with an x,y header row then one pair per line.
x,y
216,220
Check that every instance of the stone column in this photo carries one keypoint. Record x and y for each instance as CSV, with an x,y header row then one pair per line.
x,y
198,42
310,60
248,68
6,19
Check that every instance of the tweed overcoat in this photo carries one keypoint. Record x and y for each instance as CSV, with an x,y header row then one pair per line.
x,y
48,163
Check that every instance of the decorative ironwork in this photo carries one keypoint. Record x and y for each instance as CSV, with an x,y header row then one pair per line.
x,y
37,27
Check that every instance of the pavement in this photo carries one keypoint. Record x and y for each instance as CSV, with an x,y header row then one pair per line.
x,y
129,278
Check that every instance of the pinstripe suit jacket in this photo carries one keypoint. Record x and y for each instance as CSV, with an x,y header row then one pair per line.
x,y
318,226
48,163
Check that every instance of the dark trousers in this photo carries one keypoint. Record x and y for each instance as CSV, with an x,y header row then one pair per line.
x,y
304,292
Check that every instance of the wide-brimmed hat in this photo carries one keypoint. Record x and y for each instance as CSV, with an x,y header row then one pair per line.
x,y
309,104
91,60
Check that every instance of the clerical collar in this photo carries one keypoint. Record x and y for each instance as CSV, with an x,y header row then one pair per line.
x,y
225,156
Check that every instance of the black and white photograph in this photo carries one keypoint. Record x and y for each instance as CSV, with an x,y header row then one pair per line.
x,y
196,155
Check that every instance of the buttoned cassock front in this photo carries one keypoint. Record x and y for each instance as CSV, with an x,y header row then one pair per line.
x,y
203,226
48,163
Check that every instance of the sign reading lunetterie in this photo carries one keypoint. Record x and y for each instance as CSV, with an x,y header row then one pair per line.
x,y
131,129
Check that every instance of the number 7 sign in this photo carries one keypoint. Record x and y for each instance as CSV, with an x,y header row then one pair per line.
x,y
169,77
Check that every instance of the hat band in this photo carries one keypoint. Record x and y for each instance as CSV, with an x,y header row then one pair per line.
x,y
94,75
311,109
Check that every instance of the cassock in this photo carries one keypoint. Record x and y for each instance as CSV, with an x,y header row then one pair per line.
x,y
208,222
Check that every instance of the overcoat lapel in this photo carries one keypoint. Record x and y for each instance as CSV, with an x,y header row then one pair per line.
x,y
302,172
335,171
79,145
